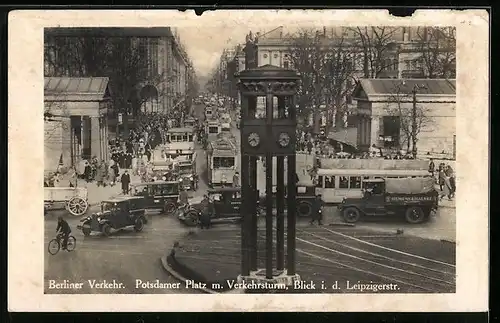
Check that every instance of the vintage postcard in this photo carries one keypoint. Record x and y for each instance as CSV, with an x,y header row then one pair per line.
x,y
326,160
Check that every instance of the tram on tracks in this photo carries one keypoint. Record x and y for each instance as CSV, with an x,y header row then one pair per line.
x,y
222,160
180,142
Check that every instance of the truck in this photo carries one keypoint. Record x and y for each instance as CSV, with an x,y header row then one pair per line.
x,y
414,198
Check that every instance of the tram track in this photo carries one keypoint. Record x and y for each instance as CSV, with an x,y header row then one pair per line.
x,y
331,255
420,274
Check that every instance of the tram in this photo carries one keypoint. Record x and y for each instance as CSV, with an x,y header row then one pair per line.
x,y
222,156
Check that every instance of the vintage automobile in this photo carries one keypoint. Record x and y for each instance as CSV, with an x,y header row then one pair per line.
x,y
225,204
413,198
185,171
158,195
116,213
305,199
189,122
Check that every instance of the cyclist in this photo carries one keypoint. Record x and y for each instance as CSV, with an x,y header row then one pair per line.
x,y
65,231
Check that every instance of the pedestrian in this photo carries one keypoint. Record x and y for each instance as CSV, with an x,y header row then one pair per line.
x,y
450,174
317,214
73,177
112,174
206,210
432,167
99,175
125,179
309,147
236,179
446,189
441,177
88,171
183,197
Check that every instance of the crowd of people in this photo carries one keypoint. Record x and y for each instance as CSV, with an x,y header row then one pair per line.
x,y
445,178
320,146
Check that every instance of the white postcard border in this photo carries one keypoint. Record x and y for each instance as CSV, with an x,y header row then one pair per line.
x,y
25,158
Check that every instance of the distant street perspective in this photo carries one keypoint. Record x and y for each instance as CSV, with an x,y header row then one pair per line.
x,y
160,176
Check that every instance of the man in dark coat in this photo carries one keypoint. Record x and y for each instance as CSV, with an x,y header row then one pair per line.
x,y
125,179
206,210
63,226
317,214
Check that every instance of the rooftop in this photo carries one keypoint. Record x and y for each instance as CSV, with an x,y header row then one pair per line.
x,y
435,87
77,88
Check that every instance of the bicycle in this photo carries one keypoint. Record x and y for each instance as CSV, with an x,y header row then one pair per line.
x,y
56,244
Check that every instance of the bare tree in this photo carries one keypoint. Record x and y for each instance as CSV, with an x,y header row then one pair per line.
x,y
437,48
308,54
338,72
377,48
411,116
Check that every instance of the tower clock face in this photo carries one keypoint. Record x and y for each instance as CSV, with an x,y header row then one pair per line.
x,y
284,139
253,139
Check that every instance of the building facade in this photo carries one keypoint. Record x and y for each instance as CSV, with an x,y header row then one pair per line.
x,y
386,110
148,65
75,120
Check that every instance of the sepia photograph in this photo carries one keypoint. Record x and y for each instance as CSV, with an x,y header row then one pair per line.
x,y
313,158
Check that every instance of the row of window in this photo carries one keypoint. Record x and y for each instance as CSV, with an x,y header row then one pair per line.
x,y
223,162
180,138
346,182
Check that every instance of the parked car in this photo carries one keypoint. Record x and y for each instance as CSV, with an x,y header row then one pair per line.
x,y
413,198
116,213
158,195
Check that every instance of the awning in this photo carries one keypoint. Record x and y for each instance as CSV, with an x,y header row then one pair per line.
x,y
348,136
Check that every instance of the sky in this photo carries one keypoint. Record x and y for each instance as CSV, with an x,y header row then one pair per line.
x,y
205,44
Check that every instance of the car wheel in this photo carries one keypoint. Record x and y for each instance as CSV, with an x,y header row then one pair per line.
x,y
192,219
351,215
414,215
106,229
86,231
304,209
139,224
169,208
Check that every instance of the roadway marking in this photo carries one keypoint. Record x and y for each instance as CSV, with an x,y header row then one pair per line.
x,y
390,249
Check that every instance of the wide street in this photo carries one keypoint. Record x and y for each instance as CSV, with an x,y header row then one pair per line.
x,y
127,256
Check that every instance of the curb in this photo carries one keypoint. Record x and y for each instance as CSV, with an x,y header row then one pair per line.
x,y
341,224
179,277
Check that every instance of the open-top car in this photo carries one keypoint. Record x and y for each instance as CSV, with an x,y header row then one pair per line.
x,y
413,198
116,213
224,204
158,195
